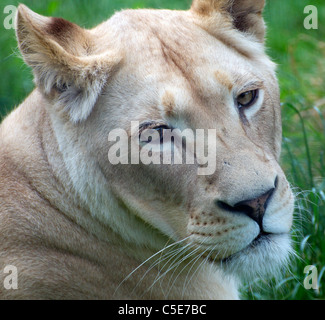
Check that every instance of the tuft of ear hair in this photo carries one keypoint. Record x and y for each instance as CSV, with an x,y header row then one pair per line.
x,y
245,15
64,67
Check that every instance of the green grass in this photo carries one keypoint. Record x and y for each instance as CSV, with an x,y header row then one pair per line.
x,y
300,55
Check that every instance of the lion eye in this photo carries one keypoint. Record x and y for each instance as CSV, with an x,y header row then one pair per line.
x,y
160,130
148,128
246,99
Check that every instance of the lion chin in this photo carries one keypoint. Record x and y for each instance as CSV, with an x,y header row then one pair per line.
x,y
264,258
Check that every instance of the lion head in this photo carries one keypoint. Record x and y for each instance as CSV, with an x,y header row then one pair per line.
x,y
197,70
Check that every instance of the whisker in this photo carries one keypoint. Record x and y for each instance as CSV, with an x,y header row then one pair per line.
x,y
171,267
192,261
174,257
164,256
187,282
151,257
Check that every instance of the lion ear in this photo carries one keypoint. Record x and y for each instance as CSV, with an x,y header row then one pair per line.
x,y
61,56
246,15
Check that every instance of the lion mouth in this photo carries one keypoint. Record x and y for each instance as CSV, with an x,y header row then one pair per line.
x,y
262,239
264,255
263,236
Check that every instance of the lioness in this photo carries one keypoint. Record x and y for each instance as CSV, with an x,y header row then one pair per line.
x,y
77,226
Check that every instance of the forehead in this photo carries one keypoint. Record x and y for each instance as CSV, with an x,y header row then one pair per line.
x,y
169,48
170,36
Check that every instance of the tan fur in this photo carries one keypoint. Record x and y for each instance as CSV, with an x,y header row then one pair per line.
x,y
76,226
168,101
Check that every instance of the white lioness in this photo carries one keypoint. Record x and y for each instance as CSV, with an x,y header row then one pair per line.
x,y
75,225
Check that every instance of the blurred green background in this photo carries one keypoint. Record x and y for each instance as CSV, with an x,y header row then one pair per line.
x,y
300,55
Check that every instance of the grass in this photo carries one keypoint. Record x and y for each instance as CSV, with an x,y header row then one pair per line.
x,y
300,55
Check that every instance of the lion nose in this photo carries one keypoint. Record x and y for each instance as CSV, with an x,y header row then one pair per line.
x,y
253,208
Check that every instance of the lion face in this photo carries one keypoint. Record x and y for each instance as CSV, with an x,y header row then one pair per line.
x,y
192,70
178,76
